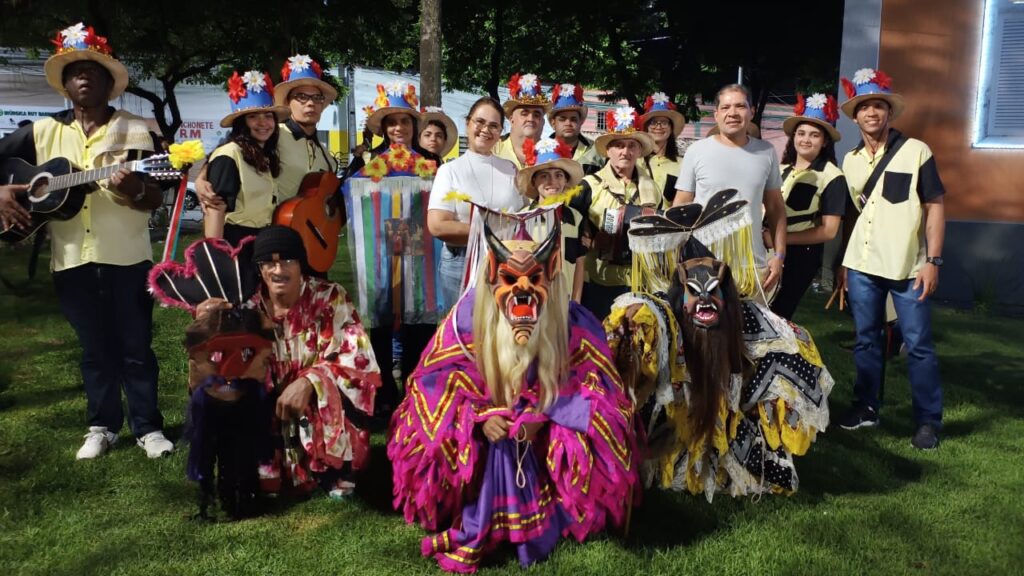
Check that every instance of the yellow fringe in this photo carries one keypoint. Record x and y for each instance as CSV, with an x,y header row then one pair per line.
x,y
737,250
456,196
563,198
653,272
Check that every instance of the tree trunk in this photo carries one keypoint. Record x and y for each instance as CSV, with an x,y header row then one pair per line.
x,y
430,52
494,80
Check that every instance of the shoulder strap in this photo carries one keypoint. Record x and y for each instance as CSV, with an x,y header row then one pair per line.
x,y
786,172
880,168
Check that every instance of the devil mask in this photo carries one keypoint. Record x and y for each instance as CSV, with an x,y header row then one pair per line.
x,y
520,277
703,299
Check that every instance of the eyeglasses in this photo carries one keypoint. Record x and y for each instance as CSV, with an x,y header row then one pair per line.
x,y
662,122
271,264
482,124
302,98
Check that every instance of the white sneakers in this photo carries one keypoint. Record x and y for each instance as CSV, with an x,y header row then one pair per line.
x,y
155,444
98,441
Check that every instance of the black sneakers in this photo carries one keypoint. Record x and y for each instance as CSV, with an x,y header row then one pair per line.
x,y
926,438
859,416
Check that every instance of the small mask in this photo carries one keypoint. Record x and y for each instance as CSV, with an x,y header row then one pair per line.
x,y
520,278
703,299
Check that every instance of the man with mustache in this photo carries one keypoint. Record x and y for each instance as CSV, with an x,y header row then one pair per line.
x,y
100,257
525,110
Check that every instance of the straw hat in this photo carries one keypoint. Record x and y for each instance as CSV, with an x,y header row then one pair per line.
x,y
428,113
392,98
301,70
819,109
567,98
79,42
658,104
525,90
624,124
252,92
868,84
547,153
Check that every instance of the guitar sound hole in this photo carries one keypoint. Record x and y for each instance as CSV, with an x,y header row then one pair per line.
x,y
39,188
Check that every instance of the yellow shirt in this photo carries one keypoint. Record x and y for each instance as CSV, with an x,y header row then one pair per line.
x,y
889,239
107,230
586,154
812,192
257,196
300,155
608,191
664,172
505,149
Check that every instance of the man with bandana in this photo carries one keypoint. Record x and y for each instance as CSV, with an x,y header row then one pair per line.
x,y
513,412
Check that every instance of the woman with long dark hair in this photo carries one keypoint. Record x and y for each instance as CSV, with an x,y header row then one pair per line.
x,y
815,192
664,124
242,171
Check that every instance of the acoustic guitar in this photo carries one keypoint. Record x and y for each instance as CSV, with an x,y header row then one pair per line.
x,y
57,189
317,215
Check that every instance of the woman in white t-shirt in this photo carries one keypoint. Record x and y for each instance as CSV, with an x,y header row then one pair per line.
x,y
488,180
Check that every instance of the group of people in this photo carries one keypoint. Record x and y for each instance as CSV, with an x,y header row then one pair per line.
x,y
515,424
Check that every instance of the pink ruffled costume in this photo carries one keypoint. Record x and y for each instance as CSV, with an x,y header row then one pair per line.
x,y
577,476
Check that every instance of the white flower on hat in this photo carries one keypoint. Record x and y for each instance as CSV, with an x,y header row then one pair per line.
x,y
254,81
817,101
433,109
546,145
527,81
863,76
659,98
74,34
623,117
567,89
299,62
394,88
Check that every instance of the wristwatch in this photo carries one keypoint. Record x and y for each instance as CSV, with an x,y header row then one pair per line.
x,y
937,260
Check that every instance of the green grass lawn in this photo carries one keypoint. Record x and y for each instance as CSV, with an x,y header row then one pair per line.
x,y
868,503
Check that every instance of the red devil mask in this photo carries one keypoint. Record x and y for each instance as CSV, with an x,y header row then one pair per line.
x,y
520,278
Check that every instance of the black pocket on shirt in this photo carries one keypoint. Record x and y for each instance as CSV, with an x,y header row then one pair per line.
x,y
896,187
800,196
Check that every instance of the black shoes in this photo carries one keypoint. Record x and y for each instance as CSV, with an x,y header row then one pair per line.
x,y
926,438
859,416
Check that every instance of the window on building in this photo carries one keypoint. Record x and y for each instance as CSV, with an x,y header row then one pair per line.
x,y
602,124
999,113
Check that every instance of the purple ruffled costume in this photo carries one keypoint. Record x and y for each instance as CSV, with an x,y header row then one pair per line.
x,y
575,477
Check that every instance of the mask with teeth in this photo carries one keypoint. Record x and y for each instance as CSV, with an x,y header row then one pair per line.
x,y
520,273
703,299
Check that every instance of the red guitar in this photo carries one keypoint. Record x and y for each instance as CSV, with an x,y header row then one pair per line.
x,y
317,215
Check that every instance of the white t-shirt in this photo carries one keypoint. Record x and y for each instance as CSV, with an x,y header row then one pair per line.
x,y
490,181
710,166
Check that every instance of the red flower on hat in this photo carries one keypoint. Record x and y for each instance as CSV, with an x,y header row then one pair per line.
x,y
513,85
286,71
831,109
555,92
530,152
849,88
801,105
269,83
563,149
316,68
609,119
96,42
882,79
236,88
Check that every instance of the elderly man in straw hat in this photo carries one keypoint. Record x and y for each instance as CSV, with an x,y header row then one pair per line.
x,y
101,256
895,249
525,110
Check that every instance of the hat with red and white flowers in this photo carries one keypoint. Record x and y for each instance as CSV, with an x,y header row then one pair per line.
x,y
623,123
252,92
525,90
544,154
80,42
392,98
301,70
566,98
869,83
817,109
659,105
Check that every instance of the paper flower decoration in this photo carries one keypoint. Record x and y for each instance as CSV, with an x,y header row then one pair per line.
x,y
255,81
375,169
398,158
424,168
817,100
236,87
863,76
186,153
456,196
529,152
80,37
622,119
849,88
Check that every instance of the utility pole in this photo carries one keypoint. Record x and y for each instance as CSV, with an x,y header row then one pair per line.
x,y
430,52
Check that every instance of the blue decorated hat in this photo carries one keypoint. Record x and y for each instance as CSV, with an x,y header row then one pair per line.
x,y
659,105
547,153
567,97
525,90
868,84
252,92
817,109
80,42
392,98
301,70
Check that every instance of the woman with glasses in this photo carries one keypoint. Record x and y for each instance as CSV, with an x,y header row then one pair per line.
x,y
664,123
488,180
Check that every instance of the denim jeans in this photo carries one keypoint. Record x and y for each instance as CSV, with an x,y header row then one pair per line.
x,y
867,301
453,267
112,314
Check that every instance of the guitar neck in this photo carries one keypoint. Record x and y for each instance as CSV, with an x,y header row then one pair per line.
x,y
87,176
